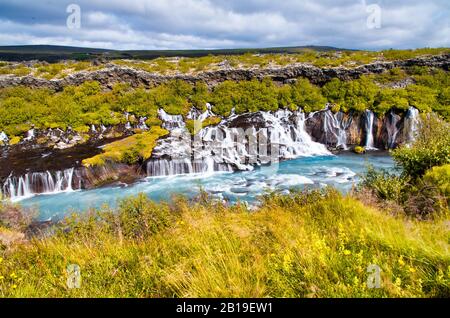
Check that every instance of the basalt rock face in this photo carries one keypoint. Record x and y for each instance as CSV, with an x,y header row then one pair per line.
x,y
108,174
112,74
343,131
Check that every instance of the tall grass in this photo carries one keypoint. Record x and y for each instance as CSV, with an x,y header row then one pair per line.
x,y
308,244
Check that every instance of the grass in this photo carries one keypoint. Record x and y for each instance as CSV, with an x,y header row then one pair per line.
x,y
128,150
310,244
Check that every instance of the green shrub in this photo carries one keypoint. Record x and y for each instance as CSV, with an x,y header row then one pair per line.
x,y
385,185
431,148
140,217
439,177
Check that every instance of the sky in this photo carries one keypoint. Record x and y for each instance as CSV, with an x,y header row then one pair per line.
x,y
207,24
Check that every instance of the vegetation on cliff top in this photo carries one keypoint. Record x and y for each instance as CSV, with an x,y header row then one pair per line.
x,y
87,104
172,65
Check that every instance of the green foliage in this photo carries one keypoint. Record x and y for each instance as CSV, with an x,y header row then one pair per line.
x,y
307,96
140,217
423,188
391,98
408,54
439,176
393,75
200,96
88,103
422,97
385,185
431,148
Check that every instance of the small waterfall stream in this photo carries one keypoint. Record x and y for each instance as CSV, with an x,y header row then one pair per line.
x,y
368,127
392,129
335,127
411,125
27,185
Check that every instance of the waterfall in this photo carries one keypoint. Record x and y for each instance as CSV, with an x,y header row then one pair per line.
x,y
170,122
288,130
368,126
164,167
411,125
225,147
25,186
334,126
3,137
392,129
194,113
30,134
142,125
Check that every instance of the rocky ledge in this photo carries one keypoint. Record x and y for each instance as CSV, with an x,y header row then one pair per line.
x,y
112,74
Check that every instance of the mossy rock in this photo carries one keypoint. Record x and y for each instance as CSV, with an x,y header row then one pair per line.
x,y
14,140
128,150
359,150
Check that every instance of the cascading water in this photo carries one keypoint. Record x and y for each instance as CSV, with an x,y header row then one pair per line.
x,y
368,126
392,130
164,167
226,148
3,137
411,125
335,127
171,122
17,188
30,135
288,129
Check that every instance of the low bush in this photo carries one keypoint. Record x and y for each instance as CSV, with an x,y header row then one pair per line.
x,y
440,177
431,148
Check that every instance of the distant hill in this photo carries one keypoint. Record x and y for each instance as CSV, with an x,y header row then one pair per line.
x,y
53,53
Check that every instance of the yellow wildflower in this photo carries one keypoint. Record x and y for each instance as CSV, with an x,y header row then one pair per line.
x,y
347,252
401,262
14,286
412,269
2,277
13,276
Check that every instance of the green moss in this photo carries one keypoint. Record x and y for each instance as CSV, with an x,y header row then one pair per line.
x,y
210,121
14,140
129,150
359,150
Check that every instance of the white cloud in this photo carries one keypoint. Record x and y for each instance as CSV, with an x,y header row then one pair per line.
x,y
175,24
